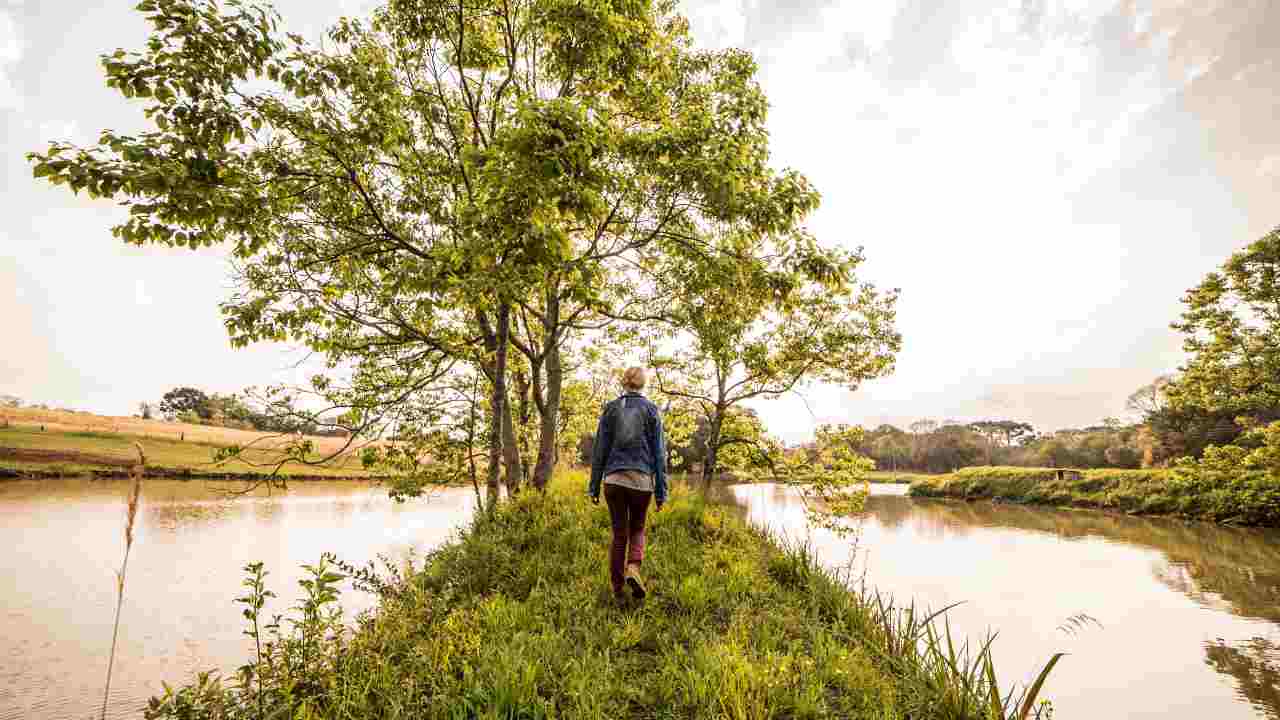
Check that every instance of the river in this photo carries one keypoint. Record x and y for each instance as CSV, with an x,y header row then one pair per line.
x,y
1161,618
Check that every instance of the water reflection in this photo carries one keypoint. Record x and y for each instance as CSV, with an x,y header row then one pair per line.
x,y
1255,665
1209,563
63,539
1165,595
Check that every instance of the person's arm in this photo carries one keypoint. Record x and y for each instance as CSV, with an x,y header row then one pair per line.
x,y
659,459
599,453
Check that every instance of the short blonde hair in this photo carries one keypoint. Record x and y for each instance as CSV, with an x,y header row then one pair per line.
x,y
634,378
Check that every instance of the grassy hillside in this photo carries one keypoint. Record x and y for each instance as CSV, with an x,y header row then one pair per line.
x,y
1247,498
515,620
47,442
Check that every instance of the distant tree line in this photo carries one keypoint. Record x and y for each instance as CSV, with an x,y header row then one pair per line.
x,y
192,405
929,446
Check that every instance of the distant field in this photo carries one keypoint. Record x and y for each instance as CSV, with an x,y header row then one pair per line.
x,y
75,443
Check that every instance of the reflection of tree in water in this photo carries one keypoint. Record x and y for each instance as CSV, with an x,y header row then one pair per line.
x,y
1255,665
890,511
1239,565
1234,569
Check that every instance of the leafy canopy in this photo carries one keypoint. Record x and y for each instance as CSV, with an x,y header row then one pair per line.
x,y
1232,327
383,193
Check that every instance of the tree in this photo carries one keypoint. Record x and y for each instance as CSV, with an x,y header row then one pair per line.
x,y
990,430
761,316
145,410
186,400
441,181
1232,329
1150,398
1055,453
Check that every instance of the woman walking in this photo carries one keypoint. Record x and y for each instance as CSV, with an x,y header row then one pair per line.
x,y
628,459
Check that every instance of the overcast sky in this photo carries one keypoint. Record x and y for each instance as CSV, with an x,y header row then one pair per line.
x,y
1042,180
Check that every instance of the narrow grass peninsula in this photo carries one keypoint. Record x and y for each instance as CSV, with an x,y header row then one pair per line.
x,y
515,620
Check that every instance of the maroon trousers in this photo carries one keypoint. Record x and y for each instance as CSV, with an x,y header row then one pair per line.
x,y
627,509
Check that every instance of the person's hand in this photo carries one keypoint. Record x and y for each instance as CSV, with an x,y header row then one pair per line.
x,y
595,499
658,508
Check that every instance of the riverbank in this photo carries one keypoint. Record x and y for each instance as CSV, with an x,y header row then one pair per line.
x,y
1245,498
27,451
515,619
894,477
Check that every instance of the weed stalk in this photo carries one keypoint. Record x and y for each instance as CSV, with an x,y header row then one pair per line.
x,y
131,514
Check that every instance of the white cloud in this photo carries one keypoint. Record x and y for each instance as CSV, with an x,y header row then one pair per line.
x,y
718,24
63,130
10,54
140,294
1003,169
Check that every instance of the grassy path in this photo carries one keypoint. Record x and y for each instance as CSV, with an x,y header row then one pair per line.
x,y
515,620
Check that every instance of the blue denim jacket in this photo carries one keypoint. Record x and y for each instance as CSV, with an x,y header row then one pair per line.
x,y
648,456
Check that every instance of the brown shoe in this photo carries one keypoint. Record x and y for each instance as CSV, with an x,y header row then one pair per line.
x,y
634,582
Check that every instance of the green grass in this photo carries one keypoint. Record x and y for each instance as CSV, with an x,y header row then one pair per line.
x,y
86,452
1248,498
515,620
901,477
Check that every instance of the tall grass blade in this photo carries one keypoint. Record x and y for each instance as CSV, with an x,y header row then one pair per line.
x,y
1029,700
993,686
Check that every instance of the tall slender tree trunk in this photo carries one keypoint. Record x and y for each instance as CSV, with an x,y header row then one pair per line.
x,y
526,452
471,442
548,434
709,466
498,410
513,468
548,431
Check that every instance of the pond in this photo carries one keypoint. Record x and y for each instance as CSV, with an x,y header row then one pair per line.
x,y
1161,618
63,541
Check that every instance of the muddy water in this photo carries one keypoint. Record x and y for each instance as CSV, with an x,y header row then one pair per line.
x,y
1162,619
62,540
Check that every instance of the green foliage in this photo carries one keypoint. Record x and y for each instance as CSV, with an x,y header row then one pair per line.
x,y
1229,485
436,183
1232,328
759,316
185,402
515,620
1234,483
934,448
832,480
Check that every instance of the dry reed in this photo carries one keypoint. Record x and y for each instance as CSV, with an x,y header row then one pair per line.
x,y
131,513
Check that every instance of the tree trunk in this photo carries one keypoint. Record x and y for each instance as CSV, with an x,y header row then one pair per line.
x,y
471,442
514,469
548,435
713,449
497,342
550,419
